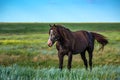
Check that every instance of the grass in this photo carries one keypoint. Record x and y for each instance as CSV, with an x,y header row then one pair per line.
x,y
32,50
25,44
43,27
16,72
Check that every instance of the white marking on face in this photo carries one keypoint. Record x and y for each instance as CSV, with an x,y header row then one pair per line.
x,y
49,40
51,31
51,34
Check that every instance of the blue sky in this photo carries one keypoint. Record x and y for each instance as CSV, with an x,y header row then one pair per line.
x,y
59,10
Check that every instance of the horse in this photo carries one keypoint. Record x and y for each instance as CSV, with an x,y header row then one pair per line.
x,y
69,43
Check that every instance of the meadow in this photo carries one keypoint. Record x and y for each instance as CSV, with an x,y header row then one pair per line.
x,y
24,53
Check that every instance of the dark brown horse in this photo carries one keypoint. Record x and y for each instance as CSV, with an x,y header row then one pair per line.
x,y
69,43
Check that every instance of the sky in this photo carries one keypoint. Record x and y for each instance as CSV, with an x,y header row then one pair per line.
x,y
59,10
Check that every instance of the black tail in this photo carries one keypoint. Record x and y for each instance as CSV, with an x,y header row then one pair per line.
x,y
100,39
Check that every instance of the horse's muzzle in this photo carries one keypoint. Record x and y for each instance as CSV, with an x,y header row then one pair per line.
x,y
49,43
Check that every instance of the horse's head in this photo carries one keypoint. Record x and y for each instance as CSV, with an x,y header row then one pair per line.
x,y
53,35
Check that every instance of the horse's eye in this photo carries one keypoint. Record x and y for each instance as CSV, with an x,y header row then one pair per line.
x,y
53,32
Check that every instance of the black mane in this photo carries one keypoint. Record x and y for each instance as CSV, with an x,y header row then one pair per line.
x,y
62,27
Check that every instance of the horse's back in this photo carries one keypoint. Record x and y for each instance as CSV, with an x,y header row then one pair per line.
x,y
80,36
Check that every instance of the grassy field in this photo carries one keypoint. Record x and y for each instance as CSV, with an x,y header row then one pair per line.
x,y
16,72
43,27
25,44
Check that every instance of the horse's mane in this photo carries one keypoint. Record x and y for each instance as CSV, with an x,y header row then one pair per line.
x,y
62,27
65,33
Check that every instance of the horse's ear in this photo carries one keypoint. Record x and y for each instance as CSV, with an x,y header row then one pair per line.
x,y
50,25
54,25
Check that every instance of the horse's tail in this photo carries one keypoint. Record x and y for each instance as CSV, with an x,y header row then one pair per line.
x,y
100,39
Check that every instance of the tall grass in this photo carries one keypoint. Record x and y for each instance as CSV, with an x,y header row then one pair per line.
x,y
16,72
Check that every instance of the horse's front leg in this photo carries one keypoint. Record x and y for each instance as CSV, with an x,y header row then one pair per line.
x,y
69,60
60,56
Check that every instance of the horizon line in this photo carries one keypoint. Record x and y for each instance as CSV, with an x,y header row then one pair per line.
x,y
60,22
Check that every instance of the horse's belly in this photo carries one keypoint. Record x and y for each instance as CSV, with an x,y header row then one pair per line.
x,y
79,48
77,51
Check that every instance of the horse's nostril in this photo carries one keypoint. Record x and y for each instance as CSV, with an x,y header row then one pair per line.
x,y
49,43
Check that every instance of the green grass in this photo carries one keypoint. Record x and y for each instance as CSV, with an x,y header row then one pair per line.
x,y
16,72
32,50
25,44
43,27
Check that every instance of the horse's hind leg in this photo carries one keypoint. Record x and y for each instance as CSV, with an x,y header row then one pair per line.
x,y
90,52
84,59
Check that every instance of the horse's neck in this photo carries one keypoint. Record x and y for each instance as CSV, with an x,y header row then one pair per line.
x,y
67,38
